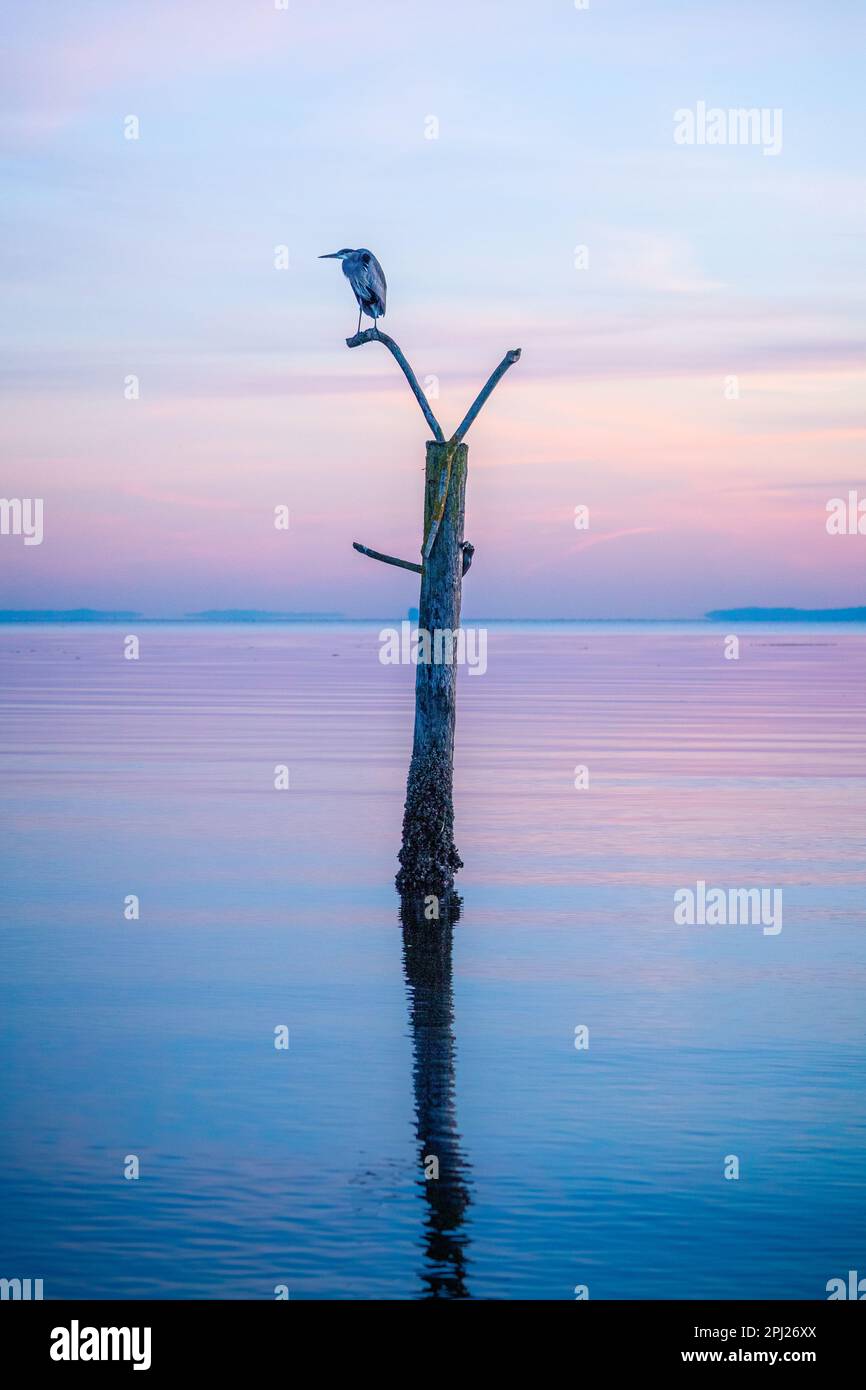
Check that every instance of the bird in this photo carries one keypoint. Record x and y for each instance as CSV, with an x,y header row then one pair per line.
x,y
367,279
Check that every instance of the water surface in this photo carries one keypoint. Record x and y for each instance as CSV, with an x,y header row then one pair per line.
x,y
260,908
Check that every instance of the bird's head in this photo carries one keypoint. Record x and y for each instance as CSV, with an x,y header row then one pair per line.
x,y
337,255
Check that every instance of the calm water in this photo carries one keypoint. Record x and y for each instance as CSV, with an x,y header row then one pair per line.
x,y
262,908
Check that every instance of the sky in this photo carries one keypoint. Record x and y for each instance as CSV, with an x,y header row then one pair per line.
x,y
690,316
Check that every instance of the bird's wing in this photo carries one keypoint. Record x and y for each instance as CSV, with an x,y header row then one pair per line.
x,y
371,280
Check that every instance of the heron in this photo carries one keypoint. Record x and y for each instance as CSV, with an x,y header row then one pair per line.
x,y
367,279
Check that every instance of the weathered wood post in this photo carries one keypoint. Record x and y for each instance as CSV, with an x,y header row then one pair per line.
x,y
428,857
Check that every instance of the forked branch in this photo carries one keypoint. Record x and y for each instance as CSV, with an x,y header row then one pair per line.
x,y
374,335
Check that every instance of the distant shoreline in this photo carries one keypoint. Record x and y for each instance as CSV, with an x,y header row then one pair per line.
x,y
788,615
247,617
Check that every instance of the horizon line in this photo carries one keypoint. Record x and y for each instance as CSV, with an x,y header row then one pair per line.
x,y
250,617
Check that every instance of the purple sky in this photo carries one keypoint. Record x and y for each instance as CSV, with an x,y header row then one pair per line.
x,y
694,376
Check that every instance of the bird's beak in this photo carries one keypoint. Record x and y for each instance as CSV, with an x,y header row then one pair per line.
x,y
331,256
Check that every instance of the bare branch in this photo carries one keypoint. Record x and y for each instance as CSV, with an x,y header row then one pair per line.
x,y
372,335
508,361
468,552
386,559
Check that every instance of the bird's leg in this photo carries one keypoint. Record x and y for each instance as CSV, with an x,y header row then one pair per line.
x,y
359,321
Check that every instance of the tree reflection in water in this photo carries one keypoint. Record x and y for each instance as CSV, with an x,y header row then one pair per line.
x,y
427,964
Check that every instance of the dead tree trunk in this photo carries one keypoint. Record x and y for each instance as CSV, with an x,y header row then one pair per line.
x,y
428,857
